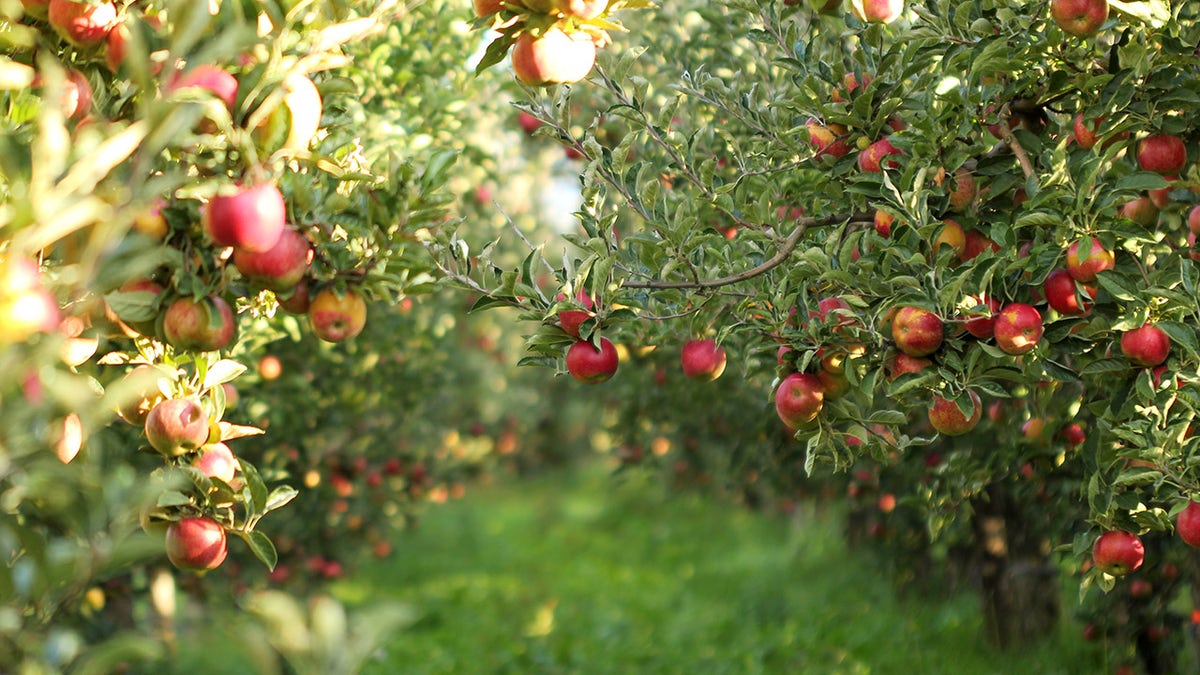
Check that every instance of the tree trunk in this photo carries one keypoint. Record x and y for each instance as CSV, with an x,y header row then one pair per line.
x,y
1017,578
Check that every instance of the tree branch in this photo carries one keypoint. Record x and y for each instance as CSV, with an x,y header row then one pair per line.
x,y
785,250
1006,135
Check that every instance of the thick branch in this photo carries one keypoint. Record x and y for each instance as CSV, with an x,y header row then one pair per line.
x,y
786,247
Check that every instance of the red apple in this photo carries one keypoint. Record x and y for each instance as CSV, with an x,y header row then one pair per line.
x,y
298,301
252,218
1193,220
946,417
825,140
1018,328
217,461
953,235
554,57
1118,553
177,426
571,319
590,365
874,158
335,318
196,543
1072,434
1086,135
964,191
116,46
487,7
80,23
1162,153
975,243
279,268
528,123
1161,197
703,360
213,79
917,332
902,364
877,11
1187,524
799,399
1086,258
1147,346
1141,211
1080,18
1059,289
982,316
883,223
204,325
1140,589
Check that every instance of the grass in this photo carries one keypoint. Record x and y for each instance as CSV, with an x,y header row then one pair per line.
x,y
585,573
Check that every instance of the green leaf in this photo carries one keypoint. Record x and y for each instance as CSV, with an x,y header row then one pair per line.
x,y
225,370
262,547
258,489
1141,181
887,417
279,497
1182,335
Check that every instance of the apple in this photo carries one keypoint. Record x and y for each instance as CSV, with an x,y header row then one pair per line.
x,y
953,235
528,123
177,426
1187,524
592,365
151,222
903,364
1162,153
1072,434
1018,328
1147,346
1086,258
1193,220
75,100
80,23
25,313
703,360
146,294
298,301
571,319
1161,197
1140,589
487,7
554,57
872,159
1034,429
842,313
917,332
204,325
1059,289
79,343
217,461
196,543
883,223
877,11
825,140
116,46
1118,553
1080,18
975,243
799,399
849,84
213,79
251,218
982,315
1141,211
946,417
964,191
1085,135
335,318
279,268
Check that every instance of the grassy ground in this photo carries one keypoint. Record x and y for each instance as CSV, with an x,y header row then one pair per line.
x,y
582,573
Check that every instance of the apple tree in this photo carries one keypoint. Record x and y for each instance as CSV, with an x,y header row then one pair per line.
x,y
930,209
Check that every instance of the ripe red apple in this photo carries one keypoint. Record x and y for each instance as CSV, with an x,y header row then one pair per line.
x,y
528,123
902,364
946,418
217,461
825,140
1118,553
1187,524
917,332
1018,328
874,159
1059,289
116,46
982,317
1193,220
80,23
334,317
703,360
975,243
883,223
196,543
1086,135
1072,434
75,100
1080,18
799,399
487,7
590,365
1140,589
877,11
962,195
554,57
177,426
252,218
1141,211
298,301
1147,346
213,79
1161,197
279,268
204,325
1086,258
1162,153
571,319
953,235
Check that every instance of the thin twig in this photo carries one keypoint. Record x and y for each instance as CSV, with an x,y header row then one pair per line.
x,y
1011,141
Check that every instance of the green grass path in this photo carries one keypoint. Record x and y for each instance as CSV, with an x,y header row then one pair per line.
x,y
585,573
